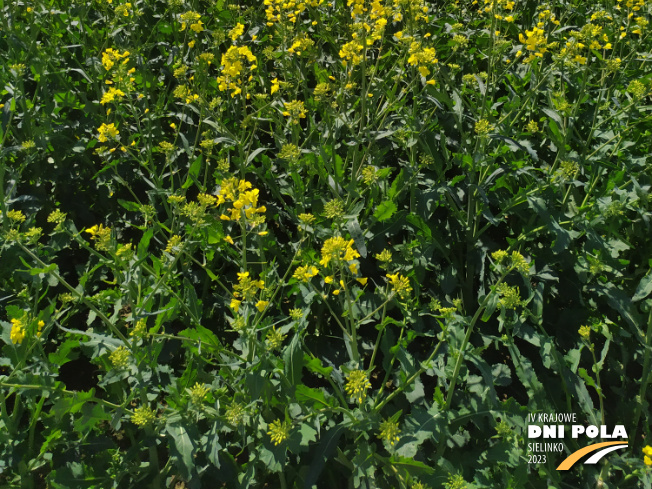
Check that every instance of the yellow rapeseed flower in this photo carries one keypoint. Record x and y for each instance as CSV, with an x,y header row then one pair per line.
x,y
357,384
279,431
389,431
143,416
17,334
400,284
305,273
107,131
647,451
337,249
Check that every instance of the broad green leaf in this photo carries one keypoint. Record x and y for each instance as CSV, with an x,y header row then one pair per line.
x,y
314,365
385,210
324,451
316,397
193,172
130,206
213,446
183,446
293,358
644,287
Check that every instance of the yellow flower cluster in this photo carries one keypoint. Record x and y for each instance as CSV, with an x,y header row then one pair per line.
x,y
351,52
279,431
107,131
357,384
120,357
301,44
295,110
277,11
631,4
400,284
234,413
547,15
410,11
143,416
16,216
140,329
389,431
174,244
647,451
198,393
275,338
101,236
111,94
535,41
192,19
337,249
111,56
483,127
237,31
422,58
305,273
123,10
57,217
518,261
637,89
184,92
17,334
244,199
384,256
510,296
585,332
232,66
246,290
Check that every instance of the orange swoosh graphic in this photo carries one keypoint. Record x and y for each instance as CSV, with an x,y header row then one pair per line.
x,y
575,456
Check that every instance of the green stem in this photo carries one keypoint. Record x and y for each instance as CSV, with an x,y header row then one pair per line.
x,y
63,391
465,342
380,334
79,296
409,381
645,379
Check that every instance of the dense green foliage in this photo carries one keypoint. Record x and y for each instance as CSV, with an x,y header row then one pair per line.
x,y
322,244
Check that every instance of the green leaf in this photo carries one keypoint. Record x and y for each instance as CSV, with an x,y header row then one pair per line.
x,y
213,446
324,451
353,226
385,210
586,377
491,307
315,366
414,467
293,358
563,236
67,405
193,172
394,189
424,229
305,394
644,287
308,434
130,206
144,242
91,415
201,335
182,447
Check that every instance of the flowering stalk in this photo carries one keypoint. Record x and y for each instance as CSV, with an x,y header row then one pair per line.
x,y
465,342
79,296
409,381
